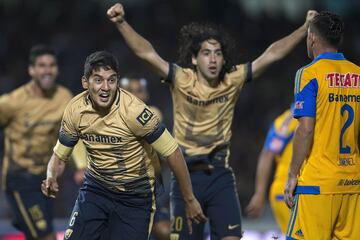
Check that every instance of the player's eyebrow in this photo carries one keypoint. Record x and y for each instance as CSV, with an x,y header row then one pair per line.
x,y
98,75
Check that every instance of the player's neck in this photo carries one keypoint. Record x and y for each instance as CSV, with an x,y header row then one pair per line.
x,y
207,82
38,91
324,49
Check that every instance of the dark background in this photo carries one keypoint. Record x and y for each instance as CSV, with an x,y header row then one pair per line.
x,y
79,27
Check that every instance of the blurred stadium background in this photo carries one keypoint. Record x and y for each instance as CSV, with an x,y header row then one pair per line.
x,y
78,27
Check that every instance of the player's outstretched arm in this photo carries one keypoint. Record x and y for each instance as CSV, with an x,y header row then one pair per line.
x,y
263,171
303,138
49,186
193,209
282,47
139,45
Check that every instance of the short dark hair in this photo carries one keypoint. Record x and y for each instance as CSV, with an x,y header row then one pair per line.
x,y
330,28
194,34
100,59
39,50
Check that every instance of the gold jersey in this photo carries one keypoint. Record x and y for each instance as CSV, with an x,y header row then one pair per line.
x,y
31,128
203,115
119,154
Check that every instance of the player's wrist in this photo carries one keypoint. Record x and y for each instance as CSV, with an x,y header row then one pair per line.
x,y
189,199
120,21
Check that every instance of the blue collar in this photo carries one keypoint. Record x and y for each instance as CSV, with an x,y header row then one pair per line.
x,y
330,55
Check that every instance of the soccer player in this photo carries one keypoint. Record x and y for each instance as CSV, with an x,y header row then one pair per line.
x,y
204,95
278,146
324,175
31,117
120,133
161,227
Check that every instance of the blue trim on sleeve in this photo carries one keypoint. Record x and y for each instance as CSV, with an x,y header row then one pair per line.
x,y
290,238
66,140
307,190
170,77
248,72
153,136
305,101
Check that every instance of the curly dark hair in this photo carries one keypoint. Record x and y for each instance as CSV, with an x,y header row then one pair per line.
x,y
194,34
329,26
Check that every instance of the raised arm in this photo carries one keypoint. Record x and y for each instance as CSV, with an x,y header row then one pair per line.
x,y
139,45
281,48
263,171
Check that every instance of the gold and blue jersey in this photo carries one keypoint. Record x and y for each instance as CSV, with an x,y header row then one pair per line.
x,y
328,89
203,115
279,141
119,155
31,125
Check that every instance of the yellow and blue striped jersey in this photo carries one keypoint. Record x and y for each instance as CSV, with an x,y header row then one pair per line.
x,y
279,141
328,89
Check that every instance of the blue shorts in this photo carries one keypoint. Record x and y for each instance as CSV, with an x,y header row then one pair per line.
x,y
216,192
102,214
33,211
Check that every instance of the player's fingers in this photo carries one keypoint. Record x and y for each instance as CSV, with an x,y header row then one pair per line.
x,y
44,188
189,223
288,200
110,12
51,193
201,217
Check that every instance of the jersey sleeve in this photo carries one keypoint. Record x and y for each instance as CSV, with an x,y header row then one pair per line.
x,y
273,142
240,74
143,122
306,89
7,108
68,135
178,76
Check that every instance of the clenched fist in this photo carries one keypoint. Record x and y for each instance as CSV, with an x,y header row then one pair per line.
x,y
116,13
310,16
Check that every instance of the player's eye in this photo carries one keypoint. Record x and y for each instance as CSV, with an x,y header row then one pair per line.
x,y
112,80
97,80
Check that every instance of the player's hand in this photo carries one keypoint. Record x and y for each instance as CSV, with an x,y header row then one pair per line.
x,y
310,16
116,13
194,213
79,176
289,190
256,206
50,187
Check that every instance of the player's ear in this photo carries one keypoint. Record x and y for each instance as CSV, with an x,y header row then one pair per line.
x,y
31,70
85,82
193,60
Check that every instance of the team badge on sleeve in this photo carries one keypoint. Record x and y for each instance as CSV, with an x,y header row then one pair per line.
x,y
144,117
299,104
